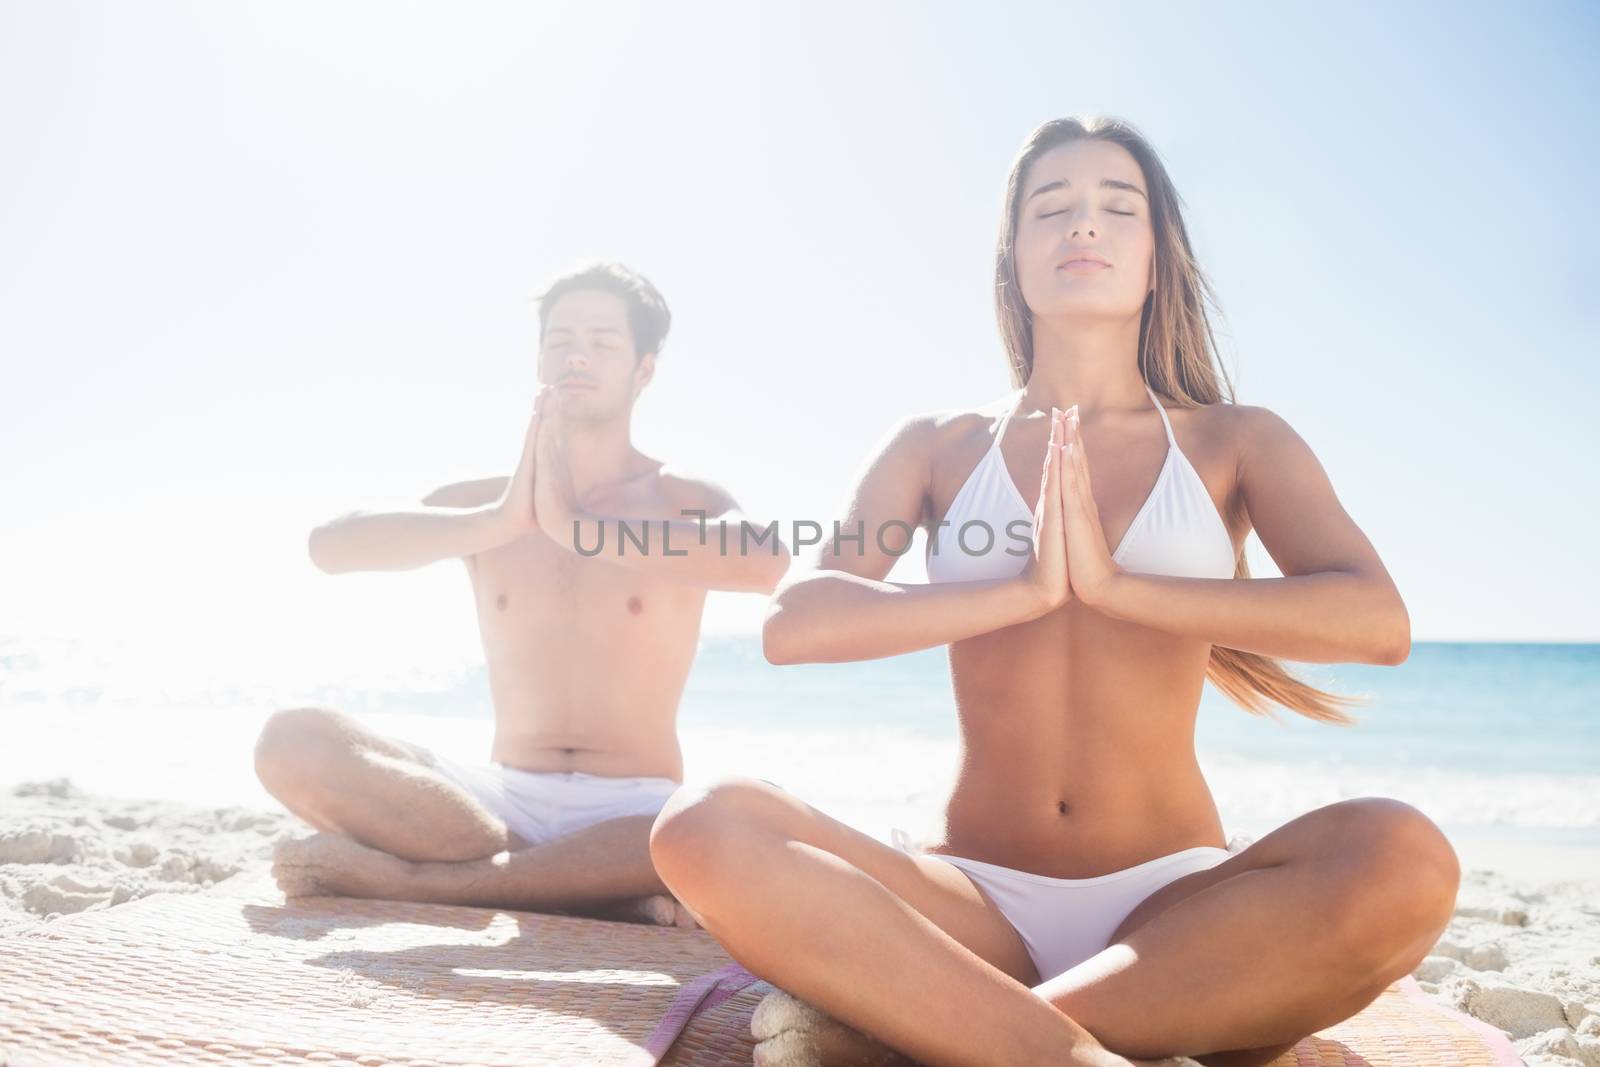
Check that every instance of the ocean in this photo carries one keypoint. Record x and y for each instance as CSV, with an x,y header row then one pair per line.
x,y
1496,742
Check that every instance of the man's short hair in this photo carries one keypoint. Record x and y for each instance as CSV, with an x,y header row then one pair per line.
x,y
648,316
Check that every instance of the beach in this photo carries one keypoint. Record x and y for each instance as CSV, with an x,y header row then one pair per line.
x,y
401,292
1521,954
127,771
63,852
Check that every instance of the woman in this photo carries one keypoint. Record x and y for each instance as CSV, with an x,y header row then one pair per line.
x,y
1083,856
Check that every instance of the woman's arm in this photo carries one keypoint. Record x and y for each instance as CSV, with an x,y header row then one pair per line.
x,y
833,616
837,607
1336,602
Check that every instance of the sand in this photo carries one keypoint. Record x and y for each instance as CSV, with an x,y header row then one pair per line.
x,y
62,852
1526,958
1520,954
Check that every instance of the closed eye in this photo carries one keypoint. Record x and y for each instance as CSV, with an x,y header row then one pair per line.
x,y
1063,211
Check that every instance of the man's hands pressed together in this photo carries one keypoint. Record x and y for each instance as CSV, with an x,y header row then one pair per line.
x,y
516,505
555,500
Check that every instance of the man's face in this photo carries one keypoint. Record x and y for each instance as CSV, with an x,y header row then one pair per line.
x,y
588,353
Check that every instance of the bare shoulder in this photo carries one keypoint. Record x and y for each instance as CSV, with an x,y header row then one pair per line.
x,y
691,491
1245,418
961,432
1255,429
467,494
1238,429
931,432
1268,453
909,449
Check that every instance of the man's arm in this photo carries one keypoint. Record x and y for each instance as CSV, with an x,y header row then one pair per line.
x,y
455,520
686,545
711,544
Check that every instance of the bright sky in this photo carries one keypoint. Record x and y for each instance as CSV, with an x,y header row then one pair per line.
x,y
260,264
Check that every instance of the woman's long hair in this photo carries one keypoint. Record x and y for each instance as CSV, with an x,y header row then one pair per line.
x,y
1177,358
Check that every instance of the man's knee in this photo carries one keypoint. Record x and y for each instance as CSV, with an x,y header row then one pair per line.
x,y
700,829
295,748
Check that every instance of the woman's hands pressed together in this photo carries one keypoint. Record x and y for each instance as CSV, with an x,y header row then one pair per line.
x,y
1090,568
1046,573
1070,557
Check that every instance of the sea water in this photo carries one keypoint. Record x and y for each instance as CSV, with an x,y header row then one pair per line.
x,y
1494,741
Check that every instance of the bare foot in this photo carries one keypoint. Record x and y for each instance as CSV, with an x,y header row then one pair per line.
x,y
331,865
791,1033
658,910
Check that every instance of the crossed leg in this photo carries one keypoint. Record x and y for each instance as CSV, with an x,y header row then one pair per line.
x,y
1299,931
396,827
900,947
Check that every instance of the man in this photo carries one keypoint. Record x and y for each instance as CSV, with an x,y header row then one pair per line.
x,y
589,566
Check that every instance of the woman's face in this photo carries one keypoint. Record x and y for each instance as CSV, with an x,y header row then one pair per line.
x,y
1085,245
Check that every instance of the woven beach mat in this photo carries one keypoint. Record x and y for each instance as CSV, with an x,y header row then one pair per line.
x,y
237,976
1405,1027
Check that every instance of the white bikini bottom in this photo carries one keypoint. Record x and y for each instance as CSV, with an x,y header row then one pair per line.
x,y
1064,921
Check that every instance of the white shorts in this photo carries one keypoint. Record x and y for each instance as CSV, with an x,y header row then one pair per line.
x,y
542,806
1064,921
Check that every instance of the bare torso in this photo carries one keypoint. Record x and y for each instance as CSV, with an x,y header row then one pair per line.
x,y
1077,728
587,658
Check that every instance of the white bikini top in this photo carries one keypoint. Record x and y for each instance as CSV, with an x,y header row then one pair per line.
x,y
988,531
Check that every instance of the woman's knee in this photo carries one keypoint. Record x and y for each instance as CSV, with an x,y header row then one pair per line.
x,y
1399,882
700,829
